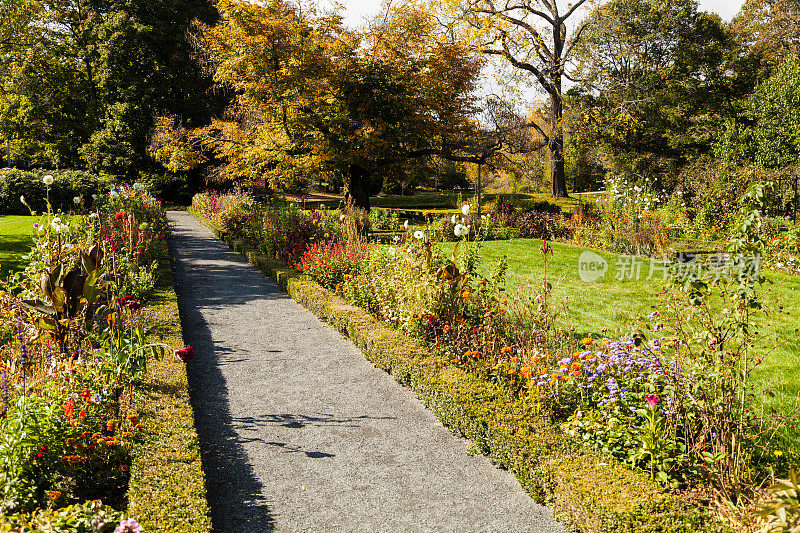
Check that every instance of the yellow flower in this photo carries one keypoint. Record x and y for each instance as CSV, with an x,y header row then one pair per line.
x,y
465,294
778,453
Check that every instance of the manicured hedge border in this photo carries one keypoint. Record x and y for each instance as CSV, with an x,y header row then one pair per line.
x,y
588,492
167,486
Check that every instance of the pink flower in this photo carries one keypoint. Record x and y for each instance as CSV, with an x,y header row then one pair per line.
x,y
128,526
653,400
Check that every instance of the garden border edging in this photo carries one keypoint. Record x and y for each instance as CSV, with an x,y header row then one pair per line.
x,y
498,426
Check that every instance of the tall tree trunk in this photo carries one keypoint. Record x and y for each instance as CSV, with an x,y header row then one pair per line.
x,y
356,187
558,181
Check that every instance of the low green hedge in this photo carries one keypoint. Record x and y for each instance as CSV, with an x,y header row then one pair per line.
x,y
589,492
167,486
67,184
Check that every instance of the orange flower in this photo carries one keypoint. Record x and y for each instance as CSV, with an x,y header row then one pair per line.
x,y
86,434
506,349
475,353
70,441
111,321
454,361
126,434
576,366
123,468
133,419
111,425
535,360
588,341
512,372
54,495
338,287
575,373
465,294
526,372
120,215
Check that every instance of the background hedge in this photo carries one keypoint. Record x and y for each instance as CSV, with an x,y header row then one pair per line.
x,y
67,185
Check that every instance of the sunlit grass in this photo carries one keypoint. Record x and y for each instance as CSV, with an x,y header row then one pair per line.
x,y
618,304
16,234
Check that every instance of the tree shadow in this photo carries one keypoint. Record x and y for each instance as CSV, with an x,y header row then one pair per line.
x,y
235,495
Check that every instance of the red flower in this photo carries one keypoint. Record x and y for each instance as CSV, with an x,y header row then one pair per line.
x,y
120,215
130,302
86,394
186,354
69,410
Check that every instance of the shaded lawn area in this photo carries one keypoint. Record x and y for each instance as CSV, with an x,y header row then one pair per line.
x,y
15,241
617,304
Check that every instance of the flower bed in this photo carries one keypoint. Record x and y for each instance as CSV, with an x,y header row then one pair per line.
x,y
74,361
673,402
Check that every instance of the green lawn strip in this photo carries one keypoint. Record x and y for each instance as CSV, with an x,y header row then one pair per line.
x,y
587,491
16,234
617,304
167,486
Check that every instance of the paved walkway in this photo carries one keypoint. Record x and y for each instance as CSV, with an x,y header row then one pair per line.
x,y
298,432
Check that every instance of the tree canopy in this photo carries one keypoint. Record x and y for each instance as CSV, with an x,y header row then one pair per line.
x,y
312,97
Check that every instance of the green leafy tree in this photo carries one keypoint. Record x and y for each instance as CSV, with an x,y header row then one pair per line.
x,y
652,84
92,74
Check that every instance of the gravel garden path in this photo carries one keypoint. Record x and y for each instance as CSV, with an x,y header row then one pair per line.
x,y
298,432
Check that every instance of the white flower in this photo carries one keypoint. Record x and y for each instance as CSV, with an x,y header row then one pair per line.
x,y
138,186
483,217
392,251
460,230
95,197
113,193
58,227
76,200
22,198
405,224
419,234
94,215
47,180
453,219
465,209
779,264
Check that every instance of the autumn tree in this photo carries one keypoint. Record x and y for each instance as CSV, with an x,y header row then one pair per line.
x,y
313,97
769,31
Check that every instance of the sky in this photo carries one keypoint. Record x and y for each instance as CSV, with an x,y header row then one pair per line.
x,y
357,10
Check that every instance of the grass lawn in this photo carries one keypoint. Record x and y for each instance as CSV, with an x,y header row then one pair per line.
x,y
15,241
616,304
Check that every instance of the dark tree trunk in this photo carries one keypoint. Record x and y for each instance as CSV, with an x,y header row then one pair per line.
x,y
558,179
356,187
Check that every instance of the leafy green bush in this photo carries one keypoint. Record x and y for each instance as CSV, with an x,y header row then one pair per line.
x,y
67,185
